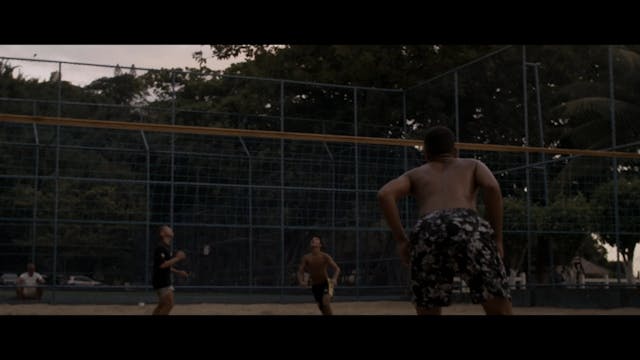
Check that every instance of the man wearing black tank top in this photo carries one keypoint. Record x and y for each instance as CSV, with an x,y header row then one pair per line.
x,y
162,268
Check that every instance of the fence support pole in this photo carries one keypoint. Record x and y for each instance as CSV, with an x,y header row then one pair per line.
x,y
614,163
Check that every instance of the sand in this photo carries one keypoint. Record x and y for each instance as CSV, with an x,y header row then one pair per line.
x,y
339,308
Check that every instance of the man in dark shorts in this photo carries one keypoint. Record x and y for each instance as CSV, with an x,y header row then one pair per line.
x,y
316,262
162,268
450,238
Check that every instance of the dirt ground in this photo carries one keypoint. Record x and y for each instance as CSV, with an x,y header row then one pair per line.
x,y
339,308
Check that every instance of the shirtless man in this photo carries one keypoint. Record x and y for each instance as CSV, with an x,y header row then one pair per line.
x,y
450,238
316,262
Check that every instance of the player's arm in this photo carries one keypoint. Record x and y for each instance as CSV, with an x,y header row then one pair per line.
x,y
179,272
336,269
180,255
388,197
492,200
303,264
39,279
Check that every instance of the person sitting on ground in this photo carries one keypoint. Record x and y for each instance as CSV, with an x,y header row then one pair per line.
x,y
28,284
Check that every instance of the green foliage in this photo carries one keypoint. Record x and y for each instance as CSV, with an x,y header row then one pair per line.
x,y
575,103
515,238
119,89
567,224
628,213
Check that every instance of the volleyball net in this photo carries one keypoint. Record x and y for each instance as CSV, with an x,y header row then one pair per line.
x,y
85,196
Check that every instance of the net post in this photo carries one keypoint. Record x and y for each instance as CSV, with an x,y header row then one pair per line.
x,y
405,154
526,156
34,219
250,204
614,161
357,190
543,159
282,212
456,104
148,210
173,154
333,194
57,190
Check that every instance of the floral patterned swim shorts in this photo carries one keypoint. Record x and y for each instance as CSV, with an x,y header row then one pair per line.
x,y
455,242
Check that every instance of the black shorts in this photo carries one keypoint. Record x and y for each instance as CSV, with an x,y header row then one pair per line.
x,y
319,291
455,242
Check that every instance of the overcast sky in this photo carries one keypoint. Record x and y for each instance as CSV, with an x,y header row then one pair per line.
x,y
142,56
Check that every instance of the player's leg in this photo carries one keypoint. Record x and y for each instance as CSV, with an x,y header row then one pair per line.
x,y
20,293
432,267
429,311
318,292
160,307
165,302
325,306
170,302
484,270
39,292
497,306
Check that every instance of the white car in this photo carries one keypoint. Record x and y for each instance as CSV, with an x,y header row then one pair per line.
x,y
81,280
8,279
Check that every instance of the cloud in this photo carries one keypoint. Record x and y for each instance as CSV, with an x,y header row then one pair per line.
x,y
142,56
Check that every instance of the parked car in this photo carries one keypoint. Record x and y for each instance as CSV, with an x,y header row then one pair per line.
x,y
8,279
81,280
48,279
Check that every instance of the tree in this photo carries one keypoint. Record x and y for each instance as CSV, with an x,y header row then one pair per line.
x,y
574,91
382,66
515,239
55,76
121,89
229,51
390,66
629,217
577,99
565,229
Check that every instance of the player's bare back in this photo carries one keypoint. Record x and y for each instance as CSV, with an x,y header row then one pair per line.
x,y
444,184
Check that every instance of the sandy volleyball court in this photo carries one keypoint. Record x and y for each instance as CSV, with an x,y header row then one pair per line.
x,y
340,308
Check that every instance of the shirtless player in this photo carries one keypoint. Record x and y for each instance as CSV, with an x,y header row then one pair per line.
x,y
450,238
316,262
